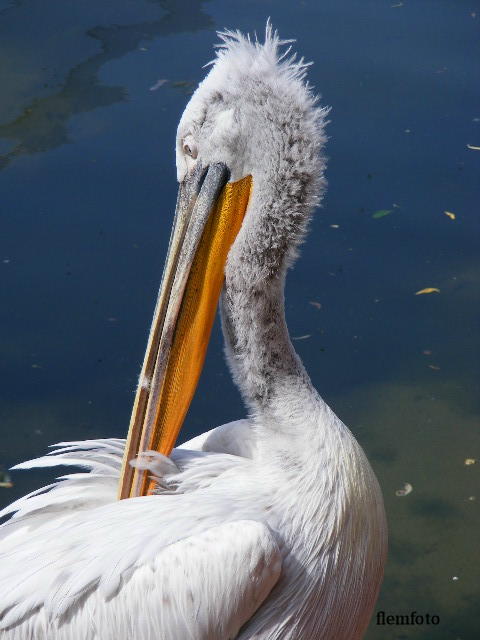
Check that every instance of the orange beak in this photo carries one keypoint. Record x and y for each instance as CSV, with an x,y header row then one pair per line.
x,y
208,216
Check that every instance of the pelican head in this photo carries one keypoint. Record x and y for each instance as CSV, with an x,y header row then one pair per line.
x,y
255,113
250,171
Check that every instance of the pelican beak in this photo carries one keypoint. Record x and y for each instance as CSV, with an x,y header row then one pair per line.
x,y
208,216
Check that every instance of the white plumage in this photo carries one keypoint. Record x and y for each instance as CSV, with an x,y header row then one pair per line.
x,y
267,528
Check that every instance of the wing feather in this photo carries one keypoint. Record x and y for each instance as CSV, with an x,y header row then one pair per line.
x,y
75,562
203,587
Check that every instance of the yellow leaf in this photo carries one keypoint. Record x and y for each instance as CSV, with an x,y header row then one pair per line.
x,y
469,461
5,481
427,290
471,146
451,215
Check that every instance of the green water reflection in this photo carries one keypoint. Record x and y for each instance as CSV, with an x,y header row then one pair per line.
x,y
43,123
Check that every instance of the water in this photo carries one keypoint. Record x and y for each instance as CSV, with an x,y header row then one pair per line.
x,y
88,189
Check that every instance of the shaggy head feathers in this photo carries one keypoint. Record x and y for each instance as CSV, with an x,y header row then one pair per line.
x,y
256,113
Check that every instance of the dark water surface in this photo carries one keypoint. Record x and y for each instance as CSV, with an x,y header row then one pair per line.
x,y
87,193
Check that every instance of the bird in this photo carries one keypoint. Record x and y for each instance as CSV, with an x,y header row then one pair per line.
x,y
271,527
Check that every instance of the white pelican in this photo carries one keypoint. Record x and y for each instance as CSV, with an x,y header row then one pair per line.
x,y
271,527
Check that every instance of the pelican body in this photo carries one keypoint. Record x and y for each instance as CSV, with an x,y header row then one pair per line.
x,y
268,528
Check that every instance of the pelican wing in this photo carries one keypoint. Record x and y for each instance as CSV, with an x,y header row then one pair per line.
x,y
76,563
204,586
98,485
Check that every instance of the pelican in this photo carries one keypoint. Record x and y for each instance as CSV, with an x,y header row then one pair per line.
x,y
271,527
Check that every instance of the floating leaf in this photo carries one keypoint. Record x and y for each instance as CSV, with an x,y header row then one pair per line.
x,y
335,226
315,304
471,146
5,481
434,367
469,461
427,290
451,215
305,337
381,213
158,84
405,490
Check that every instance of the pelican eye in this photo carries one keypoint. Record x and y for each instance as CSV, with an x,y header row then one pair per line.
x,y
189,147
